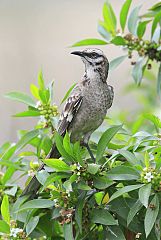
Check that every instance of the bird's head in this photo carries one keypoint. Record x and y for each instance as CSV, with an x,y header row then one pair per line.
x,y
94,60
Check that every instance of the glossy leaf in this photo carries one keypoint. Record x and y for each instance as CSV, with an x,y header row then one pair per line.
x,y
93,168
103,31
68,231
102,216
35,91
134,210
68,93
31,225
89,41
141,28
41,80
4,227
29,113
157,35
21,97
159,82
36,204
8,174
123,190
67,145
123,173
109,17
5,209
79,211
105,139
98,197
57,164
102,182
115,233
118,41
138,70
133,20
144,194
124,13
155,22
116,62
151,215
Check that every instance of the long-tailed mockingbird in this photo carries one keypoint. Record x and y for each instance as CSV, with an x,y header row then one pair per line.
x,y
85,108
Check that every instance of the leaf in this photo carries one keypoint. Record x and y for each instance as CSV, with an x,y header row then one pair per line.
x,y
124,12
93,168
68,93
9,152
83,186
102,182
5,209
133,20
57,164
29,113
67,145
98,197
159,82
27,139
21,97
105,139
118,41
105,199
151,215
42,176
41,80
4,227
103,217
35,91
89,41
156,20
156,35
123,190
144,194
133,211
123,173
116,62
79,209
103,31
8,174
36,204
31,225
12,191
138,70
68,231
109,17
44,96
141,28
115,233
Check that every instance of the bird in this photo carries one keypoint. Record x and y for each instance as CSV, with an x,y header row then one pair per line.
x,y
85,108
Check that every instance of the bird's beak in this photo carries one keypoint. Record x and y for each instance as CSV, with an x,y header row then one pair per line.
x,y
78,53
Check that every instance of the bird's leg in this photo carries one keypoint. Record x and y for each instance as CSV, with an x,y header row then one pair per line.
x,y
90,152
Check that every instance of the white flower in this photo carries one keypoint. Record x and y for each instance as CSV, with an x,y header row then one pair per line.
x,y
31,173
38,104
14,232
148,176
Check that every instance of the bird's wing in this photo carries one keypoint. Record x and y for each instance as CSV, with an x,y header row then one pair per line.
x,y
71,107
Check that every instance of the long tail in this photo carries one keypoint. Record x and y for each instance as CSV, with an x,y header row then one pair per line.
x,y
34,185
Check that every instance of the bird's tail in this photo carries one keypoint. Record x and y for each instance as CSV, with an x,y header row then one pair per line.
x,y
34,185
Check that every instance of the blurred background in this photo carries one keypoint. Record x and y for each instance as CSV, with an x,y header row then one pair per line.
x,y
37,34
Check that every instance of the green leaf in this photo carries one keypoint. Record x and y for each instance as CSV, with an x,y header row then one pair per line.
x,y
133,20
93,168
141,28
67,145
159,82
133,211
123,173
41,80
79,209
124,12
5,209
4,227
68,93
8,153
68,231
123,190
109,17
102,182
12,191
138,70
116,62
144,194
157,35
27,139
8,174
151,215
118,40
42,176
156,20
57,164
21,97
129,156
36,204
35,91
103,217
115,233
105,139
29,113
31,225
98,197
83,186
44,95
89,41
103,31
